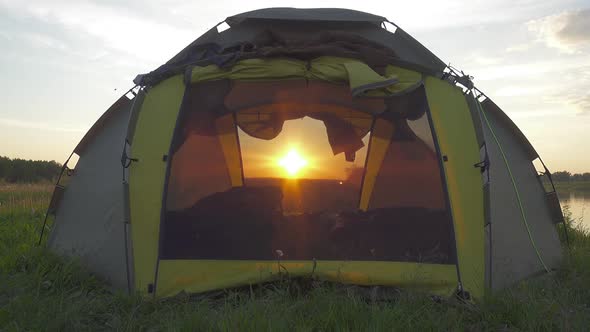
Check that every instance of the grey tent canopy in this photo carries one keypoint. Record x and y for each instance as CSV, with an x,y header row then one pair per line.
x,y
251,29
315,137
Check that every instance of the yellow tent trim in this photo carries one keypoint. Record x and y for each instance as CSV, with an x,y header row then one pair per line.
x,y
228,137
205,275
152,138
358,75
380,140
457,140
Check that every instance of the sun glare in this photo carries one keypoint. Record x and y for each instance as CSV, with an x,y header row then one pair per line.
x,y
292,162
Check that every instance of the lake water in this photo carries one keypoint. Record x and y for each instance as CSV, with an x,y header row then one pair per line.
x,y
578,203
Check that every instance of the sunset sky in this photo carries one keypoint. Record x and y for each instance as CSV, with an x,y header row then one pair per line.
x,y
63,63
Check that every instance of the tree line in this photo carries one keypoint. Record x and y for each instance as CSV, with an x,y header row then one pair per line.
x,y
27,171
565,176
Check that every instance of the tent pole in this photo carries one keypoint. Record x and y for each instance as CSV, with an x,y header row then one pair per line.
x,y
567,238
63,168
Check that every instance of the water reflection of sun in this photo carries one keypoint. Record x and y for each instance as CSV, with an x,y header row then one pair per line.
x,y
292,163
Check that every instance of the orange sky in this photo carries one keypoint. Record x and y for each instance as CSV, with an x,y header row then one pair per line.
x,y
261,158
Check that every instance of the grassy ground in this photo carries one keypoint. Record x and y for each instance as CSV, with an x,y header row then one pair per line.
x,y
39,291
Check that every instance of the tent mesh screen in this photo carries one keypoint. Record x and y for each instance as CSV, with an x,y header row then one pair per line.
x,y
301,170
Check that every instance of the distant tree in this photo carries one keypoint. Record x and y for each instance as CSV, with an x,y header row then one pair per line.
x,y
21,170
576,177
561,176
4,166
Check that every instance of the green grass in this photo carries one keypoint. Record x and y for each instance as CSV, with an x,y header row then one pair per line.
x,y
39,291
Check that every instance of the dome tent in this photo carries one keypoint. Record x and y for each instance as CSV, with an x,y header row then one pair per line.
x,y
406,176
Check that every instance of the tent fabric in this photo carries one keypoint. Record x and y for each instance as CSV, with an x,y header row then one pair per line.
x,y
210,270
361,79
409,173
347,119
269,44
153,135
513,255
247,94
427,163
230,146
456,135
128,237
89,222
474,110
297,14
199,181
344,133
97,127
523,142
197,276
244,31
136,107
402,166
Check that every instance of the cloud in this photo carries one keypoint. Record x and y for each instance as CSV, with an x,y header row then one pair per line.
x,y
5,35
565,105
145,39
568,31
569,90
487,60
44,41
558,86
583,103
521,91
575,92
577,99
518,48
545,70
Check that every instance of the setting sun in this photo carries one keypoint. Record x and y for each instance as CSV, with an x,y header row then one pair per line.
x,y
292,162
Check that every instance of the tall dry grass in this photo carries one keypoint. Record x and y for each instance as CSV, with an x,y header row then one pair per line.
x,y
18,198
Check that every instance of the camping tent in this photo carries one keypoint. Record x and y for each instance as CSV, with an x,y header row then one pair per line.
x,y
306,142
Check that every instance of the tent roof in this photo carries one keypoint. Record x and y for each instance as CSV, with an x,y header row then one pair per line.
x,y
121,103
489,106
297,14
293,24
